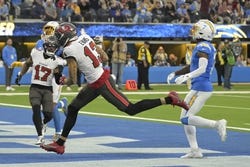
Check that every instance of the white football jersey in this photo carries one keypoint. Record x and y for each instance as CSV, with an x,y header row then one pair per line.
x,y
43,69
83,50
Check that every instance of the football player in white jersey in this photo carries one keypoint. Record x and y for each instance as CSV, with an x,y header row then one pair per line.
x,y
44,66
199,71
80,52
48,30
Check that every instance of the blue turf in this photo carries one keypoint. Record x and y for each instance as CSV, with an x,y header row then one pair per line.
x,y
148,134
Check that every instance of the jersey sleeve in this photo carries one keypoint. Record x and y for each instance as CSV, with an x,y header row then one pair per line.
x,y
32,53
65,53
204,47
61,61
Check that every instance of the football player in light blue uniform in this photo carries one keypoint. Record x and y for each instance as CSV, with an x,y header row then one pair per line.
x,y
48,30
203,82
199,71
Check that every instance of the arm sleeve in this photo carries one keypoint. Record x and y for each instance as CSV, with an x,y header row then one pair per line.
x,y
201,69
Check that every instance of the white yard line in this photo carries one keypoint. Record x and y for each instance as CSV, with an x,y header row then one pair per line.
x,y
127,117
217,93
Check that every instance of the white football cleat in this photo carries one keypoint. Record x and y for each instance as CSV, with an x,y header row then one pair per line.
x,y
194,153
9,88
221,126
40,140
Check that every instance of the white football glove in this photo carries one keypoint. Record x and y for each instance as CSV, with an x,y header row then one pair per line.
x,y
183,78
170,77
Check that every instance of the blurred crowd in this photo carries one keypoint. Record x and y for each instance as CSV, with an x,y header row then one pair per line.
x,y
229,54
129,11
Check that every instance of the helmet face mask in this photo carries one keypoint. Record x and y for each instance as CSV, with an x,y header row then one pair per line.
x,y
98,40
65,33
203,29
50,46
49,29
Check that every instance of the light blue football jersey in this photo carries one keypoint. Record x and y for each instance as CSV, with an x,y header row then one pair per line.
x,y
203,82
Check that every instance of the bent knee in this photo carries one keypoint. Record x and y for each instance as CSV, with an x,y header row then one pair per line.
x,y
130,110
72,109
184,120
48,115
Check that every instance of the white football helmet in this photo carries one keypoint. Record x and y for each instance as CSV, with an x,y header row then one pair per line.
x,y
203,29
49,29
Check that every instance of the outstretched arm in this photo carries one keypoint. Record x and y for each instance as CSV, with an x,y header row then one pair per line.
x,y
28,63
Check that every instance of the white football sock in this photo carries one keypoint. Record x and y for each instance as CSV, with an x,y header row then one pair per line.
x,y
201,122
191,136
